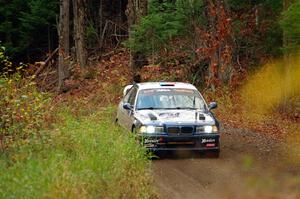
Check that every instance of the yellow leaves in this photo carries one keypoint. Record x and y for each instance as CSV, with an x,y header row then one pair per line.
x,y
22,109
272,85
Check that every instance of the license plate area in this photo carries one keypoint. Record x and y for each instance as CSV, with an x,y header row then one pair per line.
x,y
181,143
175,141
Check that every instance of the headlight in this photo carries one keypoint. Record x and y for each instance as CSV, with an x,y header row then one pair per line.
x,y
151,129
206,129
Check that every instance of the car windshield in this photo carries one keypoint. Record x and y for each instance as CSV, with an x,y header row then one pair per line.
x,y
167,98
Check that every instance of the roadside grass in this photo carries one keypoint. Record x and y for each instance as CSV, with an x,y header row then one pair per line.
x,y
81,157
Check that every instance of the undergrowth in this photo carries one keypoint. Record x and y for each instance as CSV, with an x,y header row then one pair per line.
x,y
82,157
23,111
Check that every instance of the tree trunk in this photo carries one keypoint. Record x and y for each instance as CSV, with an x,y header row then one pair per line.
x,y
79,32
136,9
286,4
214,57
219,43
63,32
287,56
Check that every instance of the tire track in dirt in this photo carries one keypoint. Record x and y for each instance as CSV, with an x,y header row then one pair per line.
x,y
251,165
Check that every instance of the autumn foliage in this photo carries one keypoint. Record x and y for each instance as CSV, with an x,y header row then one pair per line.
x,y
23,111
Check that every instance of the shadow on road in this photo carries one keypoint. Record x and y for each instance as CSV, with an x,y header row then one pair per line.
x,y
176,155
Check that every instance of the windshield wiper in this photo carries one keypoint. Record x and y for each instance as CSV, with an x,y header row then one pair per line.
x,y
189,108
147,108
179,108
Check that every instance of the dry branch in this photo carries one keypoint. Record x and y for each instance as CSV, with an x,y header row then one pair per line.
x,y
46,62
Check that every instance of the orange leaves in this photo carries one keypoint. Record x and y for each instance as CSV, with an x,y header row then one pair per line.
x,y
101,83
212,9
215,43
175,72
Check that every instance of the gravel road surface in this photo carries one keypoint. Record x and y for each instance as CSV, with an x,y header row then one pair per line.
x,y
251,165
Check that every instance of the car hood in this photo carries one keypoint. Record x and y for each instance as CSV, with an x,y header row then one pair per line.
x,y
174,116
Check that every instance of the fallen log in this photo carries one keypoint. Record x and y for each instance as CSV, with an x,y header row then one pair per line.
x,y
42,66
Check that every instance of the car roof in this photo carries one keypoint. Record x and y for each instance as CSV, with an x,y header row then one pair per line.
x,y
153,85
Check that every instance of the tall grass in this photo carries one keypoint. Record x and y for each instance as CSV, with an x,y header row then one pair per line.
x,y
277,83
82,157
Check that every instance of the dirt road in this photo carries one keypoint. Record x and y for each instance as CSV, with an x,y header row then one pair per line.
x,y
250,166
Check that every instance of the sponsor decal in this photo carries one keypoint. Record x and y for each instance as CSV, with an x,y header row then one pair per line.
x,y
150,141
169,115
210,145
147,91
163,90
149,145
185,90
204,140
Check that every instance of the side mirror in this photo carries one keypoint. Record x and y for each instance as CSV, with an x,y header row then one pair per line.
x,y
127,106
212,105
126,89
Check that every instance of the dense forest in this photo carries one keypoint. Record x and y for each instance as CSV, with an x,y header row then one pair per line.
x,y
219,41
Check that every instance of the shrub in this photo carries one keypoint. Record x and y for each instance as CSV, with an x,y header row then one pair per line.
x,y
5,64
22,110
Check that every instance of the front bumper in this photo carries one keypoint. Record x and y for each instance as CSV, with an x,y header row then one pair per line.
x,y
199,142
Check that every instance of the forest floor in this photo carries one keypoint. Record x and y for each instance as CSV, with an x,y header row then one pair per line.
x,y
257,158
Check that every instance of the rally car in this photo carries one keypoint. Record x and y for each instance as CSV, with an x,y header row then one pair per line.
x,y
169,116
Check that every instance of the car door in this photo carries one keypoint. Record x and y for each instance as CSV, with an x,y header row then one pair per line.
x,y
129,113
125,116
